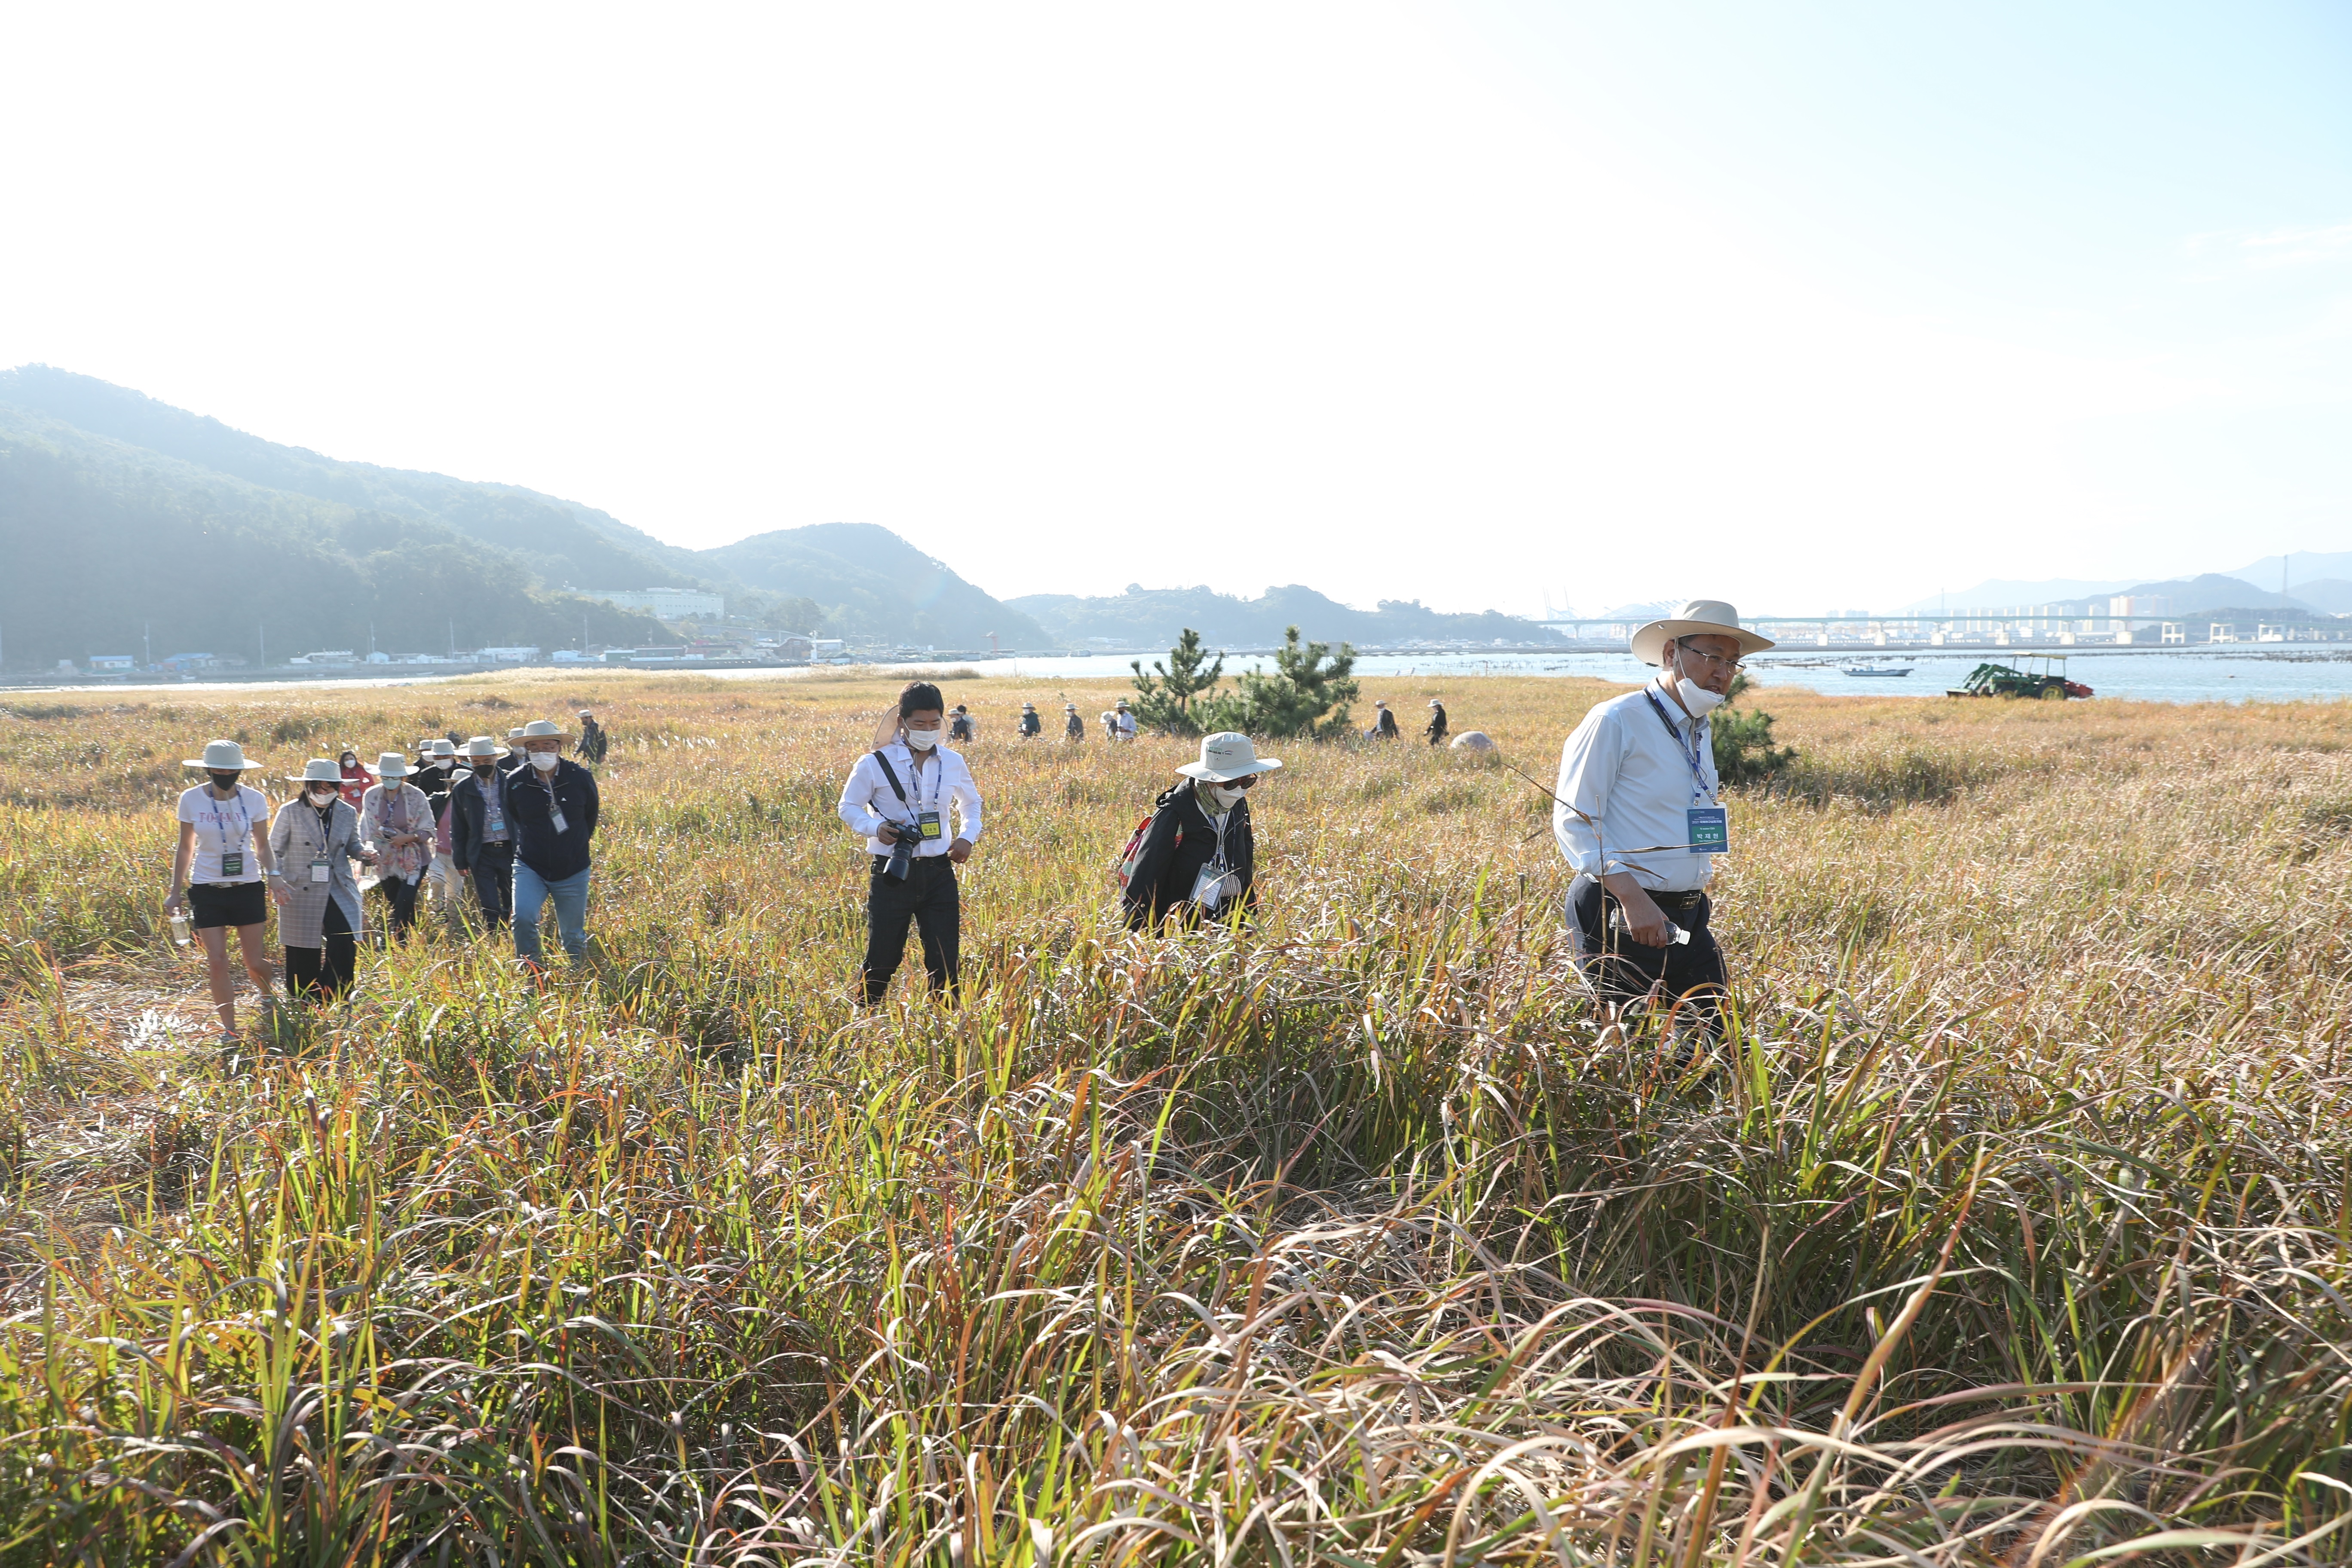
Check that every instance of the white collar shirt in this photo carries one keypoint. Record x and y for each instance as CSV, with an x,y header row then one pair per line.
x,y
1625,771
945,782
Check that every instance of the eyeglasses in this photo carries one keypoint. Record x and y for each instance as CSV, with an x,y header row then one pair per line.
x,y
1732,664
1243,782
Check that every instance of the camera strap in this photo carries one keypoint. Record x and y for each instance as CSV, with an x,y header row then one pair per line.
x,y
913,808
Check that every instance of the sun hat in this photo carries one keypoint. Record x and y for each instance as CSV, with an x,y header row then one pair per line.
x,y
319,770
442,749
515,733
220,756
1227,756
392,766
1697,618
586,714
1029,707
1122,702
1433,702
540,729
1070,707
482,746
1379,704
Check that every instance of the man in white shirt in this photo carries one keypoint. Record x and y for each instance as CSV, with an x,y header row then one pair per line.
x,y
1123,721
1638,818
898,799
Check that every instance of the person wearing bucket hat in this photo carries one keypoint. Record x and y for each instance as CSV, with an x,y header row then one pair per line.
x,y
1031,725
553,802
396,822
220,869
897,799
1195,857
592,743
1074,729
1122,720
480,831
1384,725
436,762
1436,730
316,837
1638,818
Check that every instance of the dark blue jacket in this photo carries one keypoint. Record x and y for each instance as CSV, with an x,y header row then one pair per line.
x,y
554,856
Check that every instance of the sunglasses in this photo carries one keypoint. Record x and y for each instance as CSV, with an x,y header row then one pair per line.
x,y
1243,782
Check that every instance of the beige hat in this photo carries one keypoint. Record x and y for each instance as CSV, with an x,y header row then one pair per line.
x,y
1697,618
220,756
319,770
482,746
1227,756
541,730
392,766
443,749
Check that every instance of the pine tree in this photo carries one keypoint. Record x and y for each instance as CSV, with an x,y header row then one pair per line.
x,y
1305,698
1166,702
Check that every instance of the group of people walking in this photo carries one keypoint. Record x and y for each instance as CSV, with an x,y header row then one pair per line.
x,y
513,821
1637,814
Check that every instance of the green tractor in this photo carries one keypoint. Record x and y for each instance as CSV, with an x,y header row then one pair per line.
x,y
2044,679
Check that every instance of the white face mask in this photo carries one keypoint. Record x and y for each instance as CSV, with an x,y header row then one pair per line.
x,y
544,761
922,740
322,793
1696,697
1228,798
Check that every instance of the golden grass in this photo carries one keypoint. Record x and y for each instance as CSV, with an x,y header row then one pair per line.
x,y
2009,1226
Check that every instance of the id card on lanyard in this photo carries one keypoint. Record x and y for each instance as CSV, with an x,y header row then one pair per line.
x,y
1708,826
232,845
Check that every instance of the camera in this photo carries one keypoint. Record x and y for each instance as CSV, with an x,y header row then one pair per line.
x,y
902,850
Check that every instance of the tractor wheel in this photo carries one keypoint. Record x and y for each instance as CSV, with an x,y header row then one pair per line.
x,y
2053,694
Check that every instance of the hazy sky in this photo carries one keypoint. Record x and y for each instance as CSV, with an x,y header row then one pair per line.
x,y
1805,306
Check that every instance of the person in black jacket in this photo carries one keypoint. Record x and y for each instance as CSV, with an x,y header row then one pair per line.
x,y
481,831
593,742
1199,857
1384,725
1436,731
554,803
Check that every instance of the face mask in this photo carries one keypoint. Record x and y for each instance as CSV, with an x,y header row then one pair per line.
x,y
1696,697
544,761
224,781
922,740
322,795
445,763
484,770
1228,798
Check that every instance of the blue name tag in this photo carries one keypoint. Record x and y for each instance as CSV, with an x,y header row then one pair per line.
x,y
1710,830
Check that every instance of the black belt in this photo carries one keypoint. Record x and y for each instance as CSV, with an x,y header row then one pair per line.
x,y
1667,900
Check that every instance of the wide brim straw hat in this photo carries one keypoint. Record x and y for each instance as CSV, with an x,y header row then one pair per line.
x,y
220,756
1227,756
1697,618
393,765
319,770
541,730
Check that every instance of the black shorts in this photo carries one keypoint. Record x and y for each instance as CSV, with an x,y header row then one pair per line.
x,y
226,904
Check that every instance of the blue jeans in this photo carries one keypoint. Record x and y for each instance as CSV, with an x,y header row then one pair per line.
x,y
571,895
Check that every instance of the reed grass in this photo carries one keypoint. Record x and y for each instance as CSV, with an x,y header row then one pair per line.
x,y
2008,1225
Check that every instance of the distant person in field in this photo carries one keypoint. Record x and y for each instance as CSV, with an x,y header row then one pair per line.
x,y
960,724
436,772
1031,725
1074,729
1198,856
1384,725
1637,816
356,779
552,802
899,798
397,823
1436,731
1122,721
319,922
219,871
593,742
481,831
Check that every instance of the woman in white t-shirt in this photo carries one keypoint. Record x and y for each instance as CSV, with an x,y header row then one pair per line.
x,y
219,872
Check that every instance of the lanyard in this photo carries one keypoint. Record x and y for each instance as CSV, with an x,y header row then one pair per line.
x,y
915,777
1689,753
230,838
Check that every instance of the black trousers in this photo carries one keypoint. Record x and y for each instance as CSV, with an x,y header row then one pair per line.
x,y
1625,972
324,972
402,898
927,898
493,880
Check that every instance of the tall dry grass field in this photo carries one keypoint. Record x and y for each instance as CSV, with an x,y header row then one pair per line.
x,y
2009,1226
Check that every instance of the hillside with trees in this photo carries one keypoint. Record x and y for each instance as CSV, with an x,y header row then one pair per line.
x,y
1156,618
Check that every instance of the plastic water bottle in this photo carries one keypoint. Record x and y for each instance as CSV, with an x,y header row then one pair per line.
x,y
179,928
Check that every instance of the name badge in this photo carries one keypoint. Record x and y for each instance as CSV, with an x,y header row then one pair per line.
x,y
557,822
318,870
929,821
497,822
1710,830
232,863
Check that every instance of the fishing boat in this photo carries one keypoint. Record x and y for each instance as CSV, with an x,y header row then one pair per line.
x,y
1881,670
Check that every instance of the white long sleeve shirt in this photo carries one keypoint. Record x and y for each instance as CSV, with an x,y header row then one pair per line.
x,y
867,800
1623,769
